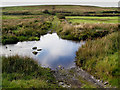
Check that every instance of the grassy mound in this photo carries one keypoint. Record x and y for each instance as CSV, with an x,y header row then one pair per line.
x,y
84,31
27,29
24,72
100,58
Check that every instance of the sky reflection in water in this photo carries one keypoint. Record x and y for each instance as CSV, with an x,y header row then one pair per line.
x,y
55,51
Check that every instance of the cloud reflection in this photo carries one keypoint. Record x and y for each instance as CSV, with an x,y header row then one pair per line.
x,y
55,51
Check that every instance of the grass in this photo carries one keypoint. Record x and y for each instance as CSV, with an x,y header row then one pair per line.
x,y
86,84
60,7
10,17
90,19
24,72
30,22
85,31
100,58
24,28
5,17
68,10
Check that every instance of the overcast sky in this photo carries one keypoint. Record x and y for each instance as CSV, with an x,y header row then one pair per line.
x,y
102,3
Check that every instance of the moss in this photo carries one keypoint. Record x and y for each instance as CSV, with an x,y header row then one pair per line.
x,y
9,39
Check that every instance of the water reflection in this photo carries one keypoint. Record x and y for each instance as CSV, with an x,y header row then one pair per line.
x,y
55,51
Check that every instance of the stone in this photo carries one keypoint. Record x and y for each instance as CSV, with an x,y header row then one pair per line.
x,y
39,49
34,48
34,52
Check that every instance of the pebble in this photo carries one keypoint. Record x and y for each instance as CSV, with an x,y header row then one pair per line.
x,y
34,48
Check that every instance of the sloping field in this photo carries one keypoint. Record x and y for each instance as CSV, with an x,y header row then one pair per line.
x,y
91,19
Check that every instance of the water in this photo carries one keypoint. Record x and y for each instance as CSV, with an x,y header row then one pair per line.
x,y
55,51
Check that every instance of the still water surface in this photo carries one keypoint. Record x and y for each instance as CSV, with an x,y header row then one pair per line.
x,y
55,51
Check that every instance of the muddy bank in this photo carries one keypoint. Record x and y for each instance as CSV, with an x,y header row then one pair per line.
x,y
76,78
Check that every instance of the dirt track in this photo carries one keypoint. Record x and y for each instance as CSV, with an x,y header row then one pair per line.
x,y
70,78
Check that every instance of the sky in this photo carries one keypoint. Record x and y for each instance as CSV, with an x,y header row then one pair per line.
x,y
101,3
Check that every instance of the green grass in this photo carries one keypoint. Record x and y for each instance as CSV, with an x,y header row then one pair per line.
x,y
24,28
24,72
92,21
100,58
85,31
11,17
36,83
60,9
5,17
83,19
19,8
90,17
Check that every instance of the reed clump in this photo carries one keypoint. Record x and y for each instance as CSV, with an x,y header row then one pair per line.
x,y
100,58
85,31
24,29
24,72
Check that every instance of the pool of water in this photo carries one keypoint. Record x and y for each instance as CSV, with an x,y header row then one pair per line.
x,y
55,51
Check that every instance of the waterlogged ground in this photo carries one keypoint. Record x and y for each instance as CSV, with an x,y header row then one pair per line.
x,y
55,51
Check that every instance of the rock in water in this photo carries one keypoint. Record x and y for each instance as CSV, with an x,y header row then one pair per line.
x,y
39,49
34,48
34,52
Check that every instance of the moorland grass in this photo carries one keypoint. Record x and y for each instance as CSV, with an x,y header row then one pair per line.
x,y
5,17
91,19
30,22
84,31
100,58
24,72
14,30
68,10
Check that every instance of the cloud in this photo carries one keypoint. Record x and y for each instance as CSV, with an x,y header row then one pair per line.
x,y
103,3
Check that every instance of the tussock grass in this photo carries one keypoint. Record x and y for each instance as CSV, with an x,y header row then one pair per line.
x,y
100,58
24,72
25,29
85,31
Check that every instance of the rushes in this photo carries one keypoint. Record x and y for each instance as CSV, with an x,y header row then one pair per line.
x,y
85,31
24,29
24,72
17,64
100,57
